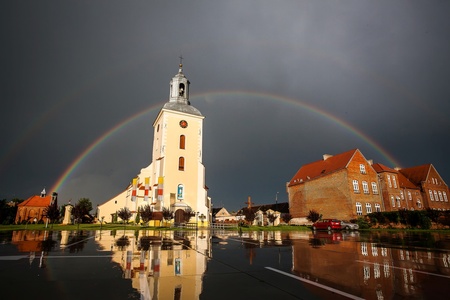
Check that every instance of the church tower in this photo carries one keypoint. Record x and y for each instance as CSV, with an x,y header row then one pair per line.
x,y
176,171
175,178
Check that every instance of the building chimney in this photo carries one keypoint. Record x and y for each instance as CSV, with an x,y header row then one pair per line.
x,y
327,156
370,161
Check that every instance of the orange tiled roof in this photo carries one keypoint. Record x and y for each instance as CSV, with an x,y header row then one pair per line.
x,y
382,168
37,201
405,182
323,167
416,174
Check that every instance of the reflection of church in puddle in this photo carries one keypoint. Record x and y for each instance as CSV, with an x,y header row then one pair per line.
x,y
161,264
368,269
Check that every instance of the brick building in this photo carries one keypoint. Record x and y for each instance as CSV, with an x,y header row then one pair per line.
x,y
433,189
32,209
397,191
346,186
342,186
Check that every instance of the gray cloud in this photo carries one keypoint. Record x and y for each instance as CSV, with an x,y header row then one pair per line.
x,y
71,71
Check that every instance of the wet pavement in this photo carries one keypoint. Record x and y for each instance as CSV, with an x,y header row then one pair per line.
x,y
147,264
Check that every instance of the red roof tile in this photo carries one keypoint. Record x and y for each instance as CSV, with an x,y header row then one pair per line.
x,y
37,201
405,182
416,174
323,167
382,168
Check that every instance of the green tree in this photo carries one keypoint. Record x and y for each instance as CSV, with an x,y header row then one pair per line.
x,y
167,214
146,213
85,204
313,216
249,214
286,218
124,214
52,212
272,218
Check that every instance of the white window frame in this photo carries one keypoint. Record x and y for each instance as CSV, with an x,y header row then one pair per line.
x,y
374,188
445,196
440,196
365,186
362,169
368,208
399,204
377,207
392,201
355,186
409,195
389,180
431,195
435,195
358,209
394,180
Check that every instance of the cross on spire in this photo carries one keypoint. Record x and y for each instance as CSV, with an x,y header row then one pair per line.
x,y
181,60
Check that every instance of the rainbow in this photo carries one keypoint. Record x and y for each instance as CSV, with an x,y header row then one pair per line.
x,y
206,97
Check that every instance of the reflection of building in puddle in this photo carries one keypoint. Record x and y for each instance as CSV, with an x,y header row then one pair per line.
x,y
161,264
369,270
41,241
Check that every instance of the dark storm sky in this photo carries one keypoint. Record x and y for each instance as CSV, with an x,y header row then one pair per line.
x,y
72,70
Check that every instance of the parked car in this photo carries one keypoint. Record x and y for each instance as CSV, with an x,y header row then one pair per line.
x,y
349,226
328,224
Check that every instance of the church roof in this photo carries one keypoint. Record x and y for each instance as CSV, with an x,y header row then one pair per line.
x,y
37,201
181,107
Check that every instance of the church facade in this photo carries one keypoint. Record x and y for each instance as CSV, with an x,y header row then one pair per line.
x,y
175,178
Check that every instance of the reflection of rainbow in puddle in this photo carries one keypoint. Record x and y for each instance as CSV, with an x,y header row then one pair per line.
x,y
210,97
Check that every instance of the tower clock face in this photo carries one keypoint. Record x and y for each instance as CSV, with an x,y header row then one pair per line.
x,y
183,124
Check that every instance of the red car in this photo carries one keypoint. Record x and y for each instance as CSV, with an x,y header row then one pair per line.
x,y
327,224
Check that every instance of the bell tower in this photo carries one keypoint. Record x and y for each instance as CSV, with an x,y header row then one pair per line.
x,y
179,88
176,172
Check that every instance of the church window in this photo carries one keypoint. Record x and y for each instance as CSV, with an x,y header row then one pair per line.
x,y
181,163
182,142
389,180
431,195
157,128
436,196
394,179
180,192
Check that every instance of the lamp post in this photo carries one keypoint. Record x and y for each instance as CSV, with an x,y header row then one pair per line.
x,y
196,220
276,204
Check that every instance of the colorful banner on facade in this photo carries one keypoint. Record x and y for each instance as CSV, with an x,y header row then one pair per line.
x,y
147,184
133,191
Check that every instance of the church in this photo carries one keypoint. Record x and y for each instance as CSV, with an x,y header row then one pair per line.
x,y
175,178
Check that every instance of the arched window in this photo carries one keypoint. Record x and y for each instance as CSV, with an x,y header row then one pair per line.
x,y
182,141
181,163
